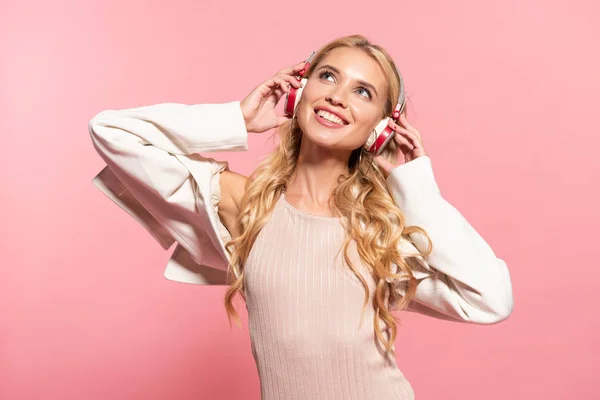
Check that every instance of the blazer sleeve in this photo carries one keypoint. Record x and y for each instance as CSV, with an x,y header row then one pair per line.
x,y
461,279
154,172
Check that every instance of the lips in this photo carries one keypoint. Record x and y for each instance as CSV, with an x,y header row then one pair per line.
x,y
327,123
332,112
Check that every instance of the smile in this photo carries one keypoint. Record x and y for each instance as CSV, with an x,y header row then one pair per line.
x,y
329,120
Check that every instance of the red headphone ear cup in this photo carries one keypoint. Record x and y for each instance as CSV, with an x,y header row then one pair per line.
x,y
292,98
382,134
290,102
386,136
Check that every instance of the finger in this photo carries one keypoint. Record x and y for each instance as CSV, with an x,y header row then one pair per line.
x,y
293,69
384,164
278,92
404,121
276,83
283,84
268,86
408,126
402,141
407,153
265,88
414,139
291,80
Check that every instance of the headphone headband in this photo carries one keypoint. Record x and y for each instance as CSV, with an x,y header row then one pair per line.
x,y
401,97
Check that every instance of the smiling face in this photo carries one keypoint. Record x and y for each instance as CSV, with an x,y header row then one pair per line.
x,y
343,99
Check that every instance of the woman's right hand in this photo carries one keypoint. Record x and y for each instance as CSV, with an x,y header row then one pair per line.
x,y
258,108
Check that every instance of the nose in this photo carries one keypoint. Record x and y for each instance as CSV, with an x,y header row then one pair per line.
x,y
337,97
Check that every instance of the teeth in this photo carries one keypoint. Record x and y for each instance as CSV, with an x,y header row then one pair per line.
x,y
330,117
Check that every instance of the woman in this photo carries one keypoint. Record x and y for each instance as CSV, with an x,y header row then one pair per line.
x,y
322,237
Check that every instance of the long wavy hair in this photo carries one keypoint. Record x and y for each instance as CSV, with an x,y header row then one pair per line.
x,y
371,218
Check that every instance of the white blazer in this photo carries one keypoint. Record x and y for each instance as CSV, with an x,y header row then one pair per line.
x,y
155,174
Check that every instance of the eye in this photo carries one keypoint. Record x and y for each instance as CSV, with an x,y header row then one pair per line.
x,y
366,91
325,73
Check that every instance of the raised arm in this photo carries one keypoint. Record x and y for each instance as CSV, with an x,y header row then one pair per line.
x,y
155,172
461,279
152,152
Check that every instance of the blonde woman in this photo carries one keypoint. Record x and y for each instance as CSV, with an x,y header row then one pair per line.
x,y
323,240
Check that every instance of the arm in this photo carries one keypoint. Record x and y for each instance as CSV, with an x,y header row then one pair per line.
x,y
154,171
461,279
151,157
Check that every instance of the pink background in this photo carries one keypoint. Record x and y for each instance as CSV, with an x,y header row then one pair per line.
x,y
503,93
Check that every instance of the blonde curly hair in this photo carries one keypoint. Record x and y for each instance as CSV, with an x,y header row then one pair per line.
x,y
371,218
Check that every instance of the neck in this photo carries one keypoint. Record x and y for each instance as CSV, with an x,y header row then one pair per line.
x,y
316,174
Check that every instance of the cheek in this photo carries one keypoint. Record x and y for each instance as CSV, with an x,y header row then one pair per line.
x,y
308,99
365,120
366,116
309,94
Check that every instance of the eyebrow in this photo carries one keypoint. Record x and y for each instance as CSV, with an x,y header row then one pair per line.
x,y
337,71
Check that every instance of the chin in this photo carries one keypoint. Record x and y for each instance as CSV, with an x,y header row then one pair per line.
x,y
329,139
319,133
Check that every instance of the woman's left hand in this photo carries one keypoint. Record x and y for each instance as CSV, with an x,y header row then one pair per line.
x,y
410,143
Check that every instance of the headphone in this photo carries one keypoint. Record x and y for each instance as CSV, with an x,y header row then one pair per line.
x,y
381,135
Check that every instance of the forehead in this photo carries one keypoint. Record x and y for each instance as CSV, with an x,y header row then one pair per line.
x,y
358,65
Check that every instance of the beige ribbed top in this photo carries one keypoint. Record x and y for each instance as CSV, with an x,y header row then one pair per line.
x,y
304,309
